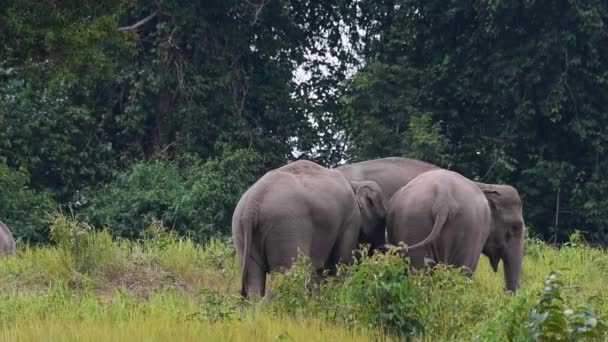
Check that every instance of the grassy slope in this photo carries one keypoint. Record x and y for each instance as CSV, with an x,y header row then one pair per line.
x,y
101,290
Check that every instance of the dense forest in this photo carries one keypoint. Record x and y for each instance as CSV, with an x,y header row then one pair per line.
x,y
130,112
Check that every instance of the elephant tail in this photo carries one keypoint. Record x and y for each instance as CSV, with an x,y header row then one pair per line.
x,y
441,216
246,222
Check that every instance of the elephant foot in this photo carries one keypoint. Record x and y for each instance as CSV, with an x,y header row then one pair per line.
x,y
466,271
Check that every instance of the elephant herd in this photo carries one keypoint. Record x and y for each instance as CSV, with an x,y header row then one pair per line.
x,y
436,215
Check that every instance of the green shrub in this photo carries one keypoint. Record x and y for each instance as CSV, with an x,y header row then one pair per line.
x,y
291,295
195,200
375,292
136,198
552,319
379,293
25,211
211,190
446,303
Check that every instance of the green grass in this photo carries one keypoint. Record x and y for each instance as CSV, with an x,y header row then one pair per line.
x,y
88,287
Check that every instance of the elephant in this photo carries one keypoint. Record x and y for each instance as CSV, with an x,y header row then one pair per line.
x,y
393,173
454,219
7,241
303,206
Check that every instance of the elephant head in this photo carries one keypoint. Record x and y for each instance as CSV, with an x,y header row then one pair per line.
x,y
372,207
506,240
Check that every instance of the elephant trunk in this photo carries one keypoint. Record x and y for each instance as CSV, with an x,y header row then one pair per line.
x,y
512,262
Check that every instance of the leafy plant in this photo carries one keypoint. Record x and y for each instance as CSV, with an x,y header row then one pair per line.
x,y
378,293
374,292
290,289
552,320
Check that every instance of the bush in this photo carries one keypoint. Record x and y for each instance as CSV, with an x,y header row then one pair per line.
x,y
375,292
212,189
552,319
291,296
25,211
195,200
136,198
379,293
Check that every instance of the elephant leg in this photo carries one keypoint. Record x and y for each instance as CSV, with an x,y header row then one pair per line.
x,y
283,246
290,237
256,278
417,258
346,244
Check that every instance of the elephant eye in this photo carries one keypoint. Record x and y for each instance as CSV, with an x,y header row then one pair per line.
x,y
514,230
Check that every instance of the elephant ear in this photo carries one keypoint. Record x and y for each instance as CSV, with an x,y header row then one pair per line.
x,y
492,197
369,197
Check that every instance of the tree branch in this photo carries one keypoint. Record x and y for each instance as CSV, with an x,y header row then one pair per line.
x,y
139,23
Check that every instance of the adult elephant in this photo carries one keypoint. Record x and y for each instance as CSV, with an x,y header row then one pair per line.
x,y
7,241
444,216
390,173
304,207
395,172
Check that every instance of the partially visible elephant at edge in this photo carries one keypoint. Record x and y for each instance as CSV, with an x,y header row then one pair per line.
x,y
395,172
7,241
444,216
304,206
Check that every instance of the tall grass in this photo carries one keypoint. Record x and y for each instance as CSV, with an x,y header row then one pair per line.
x,y
88,287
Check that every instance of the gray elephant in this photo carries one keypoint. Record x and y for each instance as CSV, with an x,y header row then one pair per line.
x,y
7,241
304,207
390,173
395,172
444,216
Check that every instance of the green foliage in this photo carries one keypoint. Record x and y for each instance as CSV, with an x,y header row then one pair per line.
x,y
378,292
89,90
24,210
509,321
46,39
552,320
137,197
195,200
63,145
217,306
374,293
89,251
291,290
213,187
446,306
424,140
514,86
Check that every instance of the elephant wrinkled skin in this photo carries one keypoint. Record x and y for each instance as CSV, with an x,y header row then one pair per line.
x,y
7,241
506,241
304,207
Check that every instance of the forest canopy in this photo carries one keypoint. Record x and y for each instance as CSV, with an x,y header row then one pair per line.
x,y
129,111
